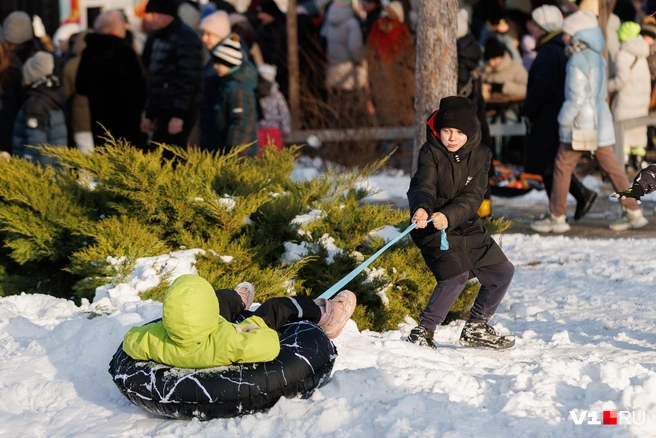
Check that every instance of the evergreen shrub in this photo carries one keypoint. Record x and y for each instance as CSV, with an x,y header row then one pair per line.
x,y
67,230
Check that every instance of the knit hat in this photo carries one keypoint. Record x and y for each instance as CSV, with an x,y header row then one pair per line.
x,y
649,30
167,7
463,23
39,65
217,23
493,48
189,13
578,21
228,52
64,32
459,113
267,71
17,28
548,17
628,30
395,9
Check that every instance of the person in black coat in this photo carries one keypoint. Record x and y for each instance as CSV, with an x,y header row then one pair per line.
x,y
448,186
111,75
545,95
272,39
19,44
175,75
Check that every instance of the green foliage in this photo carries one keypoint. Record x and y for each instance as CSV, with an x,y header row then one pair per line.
x,y
69,230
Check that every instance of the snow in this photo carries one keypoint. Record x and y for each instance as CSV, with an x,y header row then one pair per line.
x,y
582,311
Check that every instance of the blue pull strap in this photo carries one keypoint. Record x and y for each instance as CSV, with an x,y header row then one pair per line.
x,y
444,243
351,275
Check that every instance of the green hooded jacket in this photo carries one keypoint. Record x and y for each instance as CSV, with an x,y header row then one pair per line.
x,y
192,334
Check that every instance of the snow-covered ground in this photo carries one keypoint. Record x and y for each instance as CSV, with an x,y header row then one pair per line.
x,y
583,312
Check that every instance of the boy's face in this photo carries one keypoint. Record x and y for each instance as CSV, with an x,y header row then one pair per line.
x,y
453,138
221,69
494,62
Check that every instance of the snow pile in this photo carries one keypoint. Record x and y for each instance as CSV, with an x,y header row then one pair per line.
x,y
582,310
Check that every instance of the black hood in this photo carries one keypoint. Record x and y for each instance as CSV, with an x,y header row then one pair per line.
x,y
469,52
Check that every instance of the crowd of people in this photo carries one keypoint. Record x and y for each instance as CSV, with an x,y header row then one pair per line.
x,y
205,75
208,75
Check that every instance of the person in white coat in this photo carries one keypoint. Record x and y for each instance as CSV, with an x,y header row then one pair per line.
x,y
586,108
632,83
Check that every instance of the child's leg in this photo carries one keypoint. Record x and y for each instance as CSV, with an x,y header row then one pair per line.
x,y
230,303
495,280
277,312
441,300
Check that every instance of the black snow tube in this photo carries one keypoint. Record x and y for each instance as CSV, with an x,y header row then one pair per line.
x,y
305,362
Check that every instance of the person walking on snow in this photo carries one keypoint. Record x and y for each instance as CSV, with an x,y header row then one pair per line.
x,y
448,186
545,95
585,107
632,83
197,329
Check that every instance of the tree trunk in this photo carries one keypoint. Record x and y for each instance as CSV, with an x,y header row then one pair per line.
x,y
292,63
436,71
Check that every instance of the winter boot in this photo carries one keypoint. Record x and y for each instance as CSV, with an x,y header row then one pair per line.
x,y
336,312
420,335
551,224
479,334
630,219
584,197
247,293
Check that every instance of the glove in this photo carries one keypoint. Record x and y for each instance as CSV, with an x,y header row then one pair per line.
x,y
38,27
643,184
496,87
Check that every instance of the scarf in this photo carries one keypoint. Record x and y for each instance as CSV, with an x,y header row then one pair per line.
x,y
575,46
388,37
546,38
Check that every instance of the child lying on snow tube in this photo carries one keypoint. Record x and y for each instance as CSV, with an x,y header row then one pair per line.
x,y
196,329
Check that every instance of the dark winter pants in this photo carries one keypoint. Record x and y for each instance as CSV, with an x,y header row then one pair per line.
x,y
275,312
161,133
494,279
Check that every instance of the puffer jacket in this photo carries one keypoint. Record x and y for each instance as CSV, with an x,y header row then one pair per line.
x,y
192,334
510,74
230,119
175,71
453,183
632,83
346,68
586,91
41,121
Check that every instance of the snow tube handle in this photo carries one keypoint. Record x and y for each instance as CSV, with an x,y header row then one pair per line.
x,y
351,275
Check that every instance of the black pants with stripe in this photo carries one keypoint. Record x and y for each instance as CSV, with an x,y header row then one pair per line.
x,y
275,312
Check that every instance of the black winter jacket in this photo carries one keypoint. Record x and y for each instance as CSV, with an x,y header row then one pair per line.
x,y
41,121
175,71
453,183
111,75
545,95
12,93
